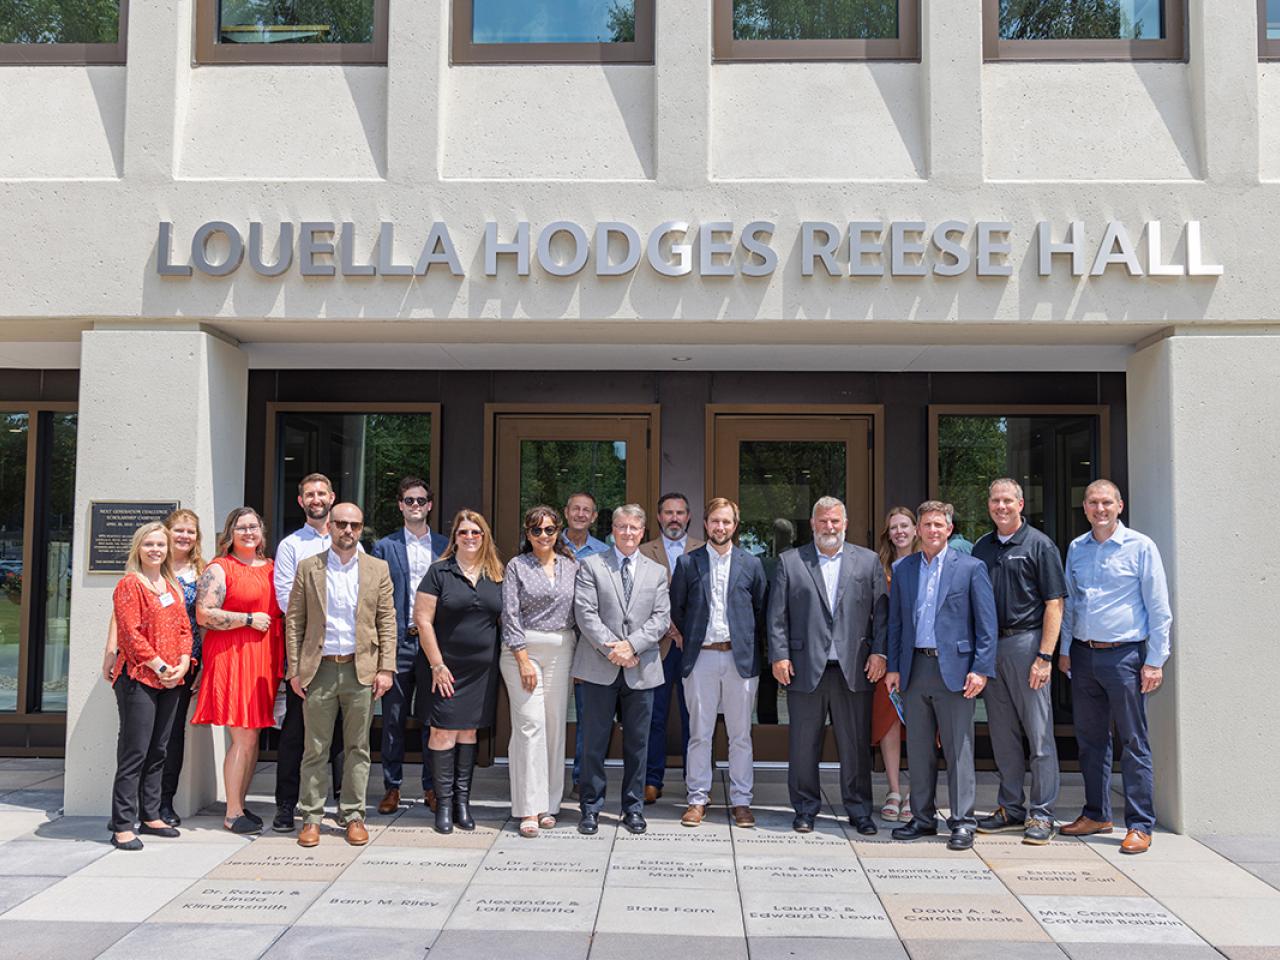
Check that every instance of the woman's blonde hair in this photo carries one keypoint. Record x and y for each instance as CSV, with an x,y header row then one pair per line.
x,y
134,562
490,562
197,554
888,552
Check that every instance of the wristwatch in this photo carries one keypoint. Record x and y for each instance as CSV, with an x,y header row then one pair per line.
x,y
162,669
1046,657
248,619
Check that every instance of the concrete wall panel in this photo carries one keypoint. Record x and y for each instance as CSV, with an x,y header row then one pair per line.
x,y
62,123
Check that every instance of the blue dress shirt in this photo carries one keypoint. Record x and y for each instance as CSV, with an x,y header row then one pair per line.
x,y
927,599
592,546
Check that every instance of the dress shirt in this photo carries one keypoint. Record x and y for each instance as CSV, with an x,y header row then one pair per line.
x,y
293,549
829,567
675,550
590,548
341,587
1117,593
420,558
718,622
927,598
532,602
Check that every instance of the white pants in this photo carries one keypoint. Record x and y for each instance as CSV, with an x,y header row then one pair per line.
x,y
536,750
715,687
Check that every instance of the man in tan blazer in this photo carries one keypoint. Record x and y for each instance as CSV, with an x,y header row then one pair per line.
x,y
675,542
340,638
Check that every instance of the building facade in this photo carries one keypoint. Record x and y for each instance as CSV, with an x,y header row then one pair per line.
x,y
641,246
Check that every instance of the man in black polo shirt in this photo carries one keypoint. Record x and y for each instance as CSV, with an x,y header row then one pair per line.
x,y
1026,572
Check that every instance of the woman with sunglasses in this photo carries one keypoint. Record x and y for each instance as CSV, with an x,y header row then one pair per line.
x,y
243,653
537,661
457,611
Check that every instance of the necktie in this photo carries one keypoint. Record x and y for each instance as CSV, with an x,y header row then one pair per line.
x,y
626,580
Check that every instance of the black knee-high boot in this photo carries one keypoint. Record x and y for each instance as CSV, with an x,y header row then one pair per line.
x,y
442,770
464,765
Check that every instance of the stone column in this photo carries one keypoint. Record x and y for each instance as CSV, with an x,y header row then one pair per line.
x,y
1203,458
162,417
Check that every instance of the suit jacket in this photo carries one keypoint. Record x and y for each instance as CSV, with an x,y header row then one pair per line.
x,y
964,625
802,627
392,549
656,551
744,606
604,617
375,619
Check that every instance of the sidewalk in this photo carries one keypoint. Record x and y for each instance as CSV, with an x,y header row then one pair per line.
x,y
707,893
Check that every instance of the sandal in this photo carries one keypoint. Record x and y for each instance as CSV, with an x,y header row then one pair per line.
x,y
892,808
529,827
546,821
905,817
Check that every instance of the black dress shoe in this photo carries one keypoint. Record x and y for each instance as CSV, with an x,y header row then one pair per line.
x,y
961,839
803,823
914,831
168,832
634,822
134,844
589,824
283,822
865,826
168,815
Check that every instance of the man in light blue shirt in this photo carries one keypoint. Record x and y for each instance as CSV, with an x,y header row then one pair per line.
x,y
927,598
1115,640
580,512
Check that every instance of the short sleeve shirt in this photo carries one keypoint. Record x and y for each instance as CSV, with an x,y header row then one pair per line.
x,y
1026,570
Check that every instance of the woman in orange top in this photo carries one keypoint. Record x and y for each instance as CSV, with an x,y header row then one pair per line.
x,y
897,540
243,653
154,636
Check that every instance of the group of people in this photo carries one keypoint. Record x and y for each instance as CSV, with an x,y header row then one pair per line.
x,y
887,647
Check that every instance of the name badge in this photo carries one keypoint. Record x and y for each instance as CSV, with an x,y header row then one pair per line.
x,y
166,600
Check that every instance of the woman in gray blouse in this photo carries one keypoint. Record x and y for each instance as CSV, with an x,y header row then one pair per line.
x,y
537,663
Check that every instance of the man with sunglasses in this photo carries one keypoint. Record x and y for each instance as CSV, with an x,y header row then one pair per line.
x,y
408,552
340,638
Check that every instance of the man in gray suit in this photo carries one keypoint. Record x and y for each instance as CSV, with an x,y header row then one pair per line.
x,y
828,615
623,609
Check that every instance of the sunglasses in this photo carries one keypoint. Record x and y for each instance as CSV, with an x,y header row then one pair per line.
x,y
415,501
543,531
347,524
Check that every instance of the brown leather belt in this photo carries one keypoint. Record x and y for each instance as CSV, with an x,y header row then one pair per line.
x,y
726,645
928,652
1099,645
345,658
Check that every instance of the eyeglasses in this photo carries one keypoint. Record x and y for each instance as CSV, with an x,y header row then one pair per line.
x,y
347,524
415,501
628,528
543,531
470,533
253,528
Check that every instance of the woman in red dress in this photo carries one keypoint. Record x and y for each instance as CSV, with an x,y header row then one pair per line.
x,y
243,653
897,540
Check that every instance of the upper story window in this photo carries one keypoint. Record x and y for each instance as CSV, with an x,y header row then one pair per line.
x,y
1084,29
553,31
291,31
1269,29
62,31
818,30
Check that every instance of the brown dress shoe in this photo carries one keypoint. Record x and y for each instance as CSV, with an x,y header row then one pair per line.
x,y
1082,826
309,835
357,835
651,794
693,816
430,798
743,817
1136,841
391,802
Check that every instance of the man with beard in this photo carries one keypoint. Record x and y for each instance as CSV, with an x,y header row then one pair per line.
x,y
673,517
828,609
315,497
717,602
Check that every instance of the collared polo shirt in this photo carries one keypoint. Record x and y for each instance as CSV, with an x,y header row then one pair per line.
x,y
1026,570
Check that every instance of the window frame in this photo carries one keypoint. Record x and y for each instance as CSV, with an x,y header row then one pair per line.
x,y
463,52
906,46
71,54
209,52
1172,48
1267,49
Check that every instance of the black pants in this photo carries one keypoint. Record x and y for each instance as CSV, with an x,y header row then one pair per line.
x,y
599,702
289,752
850,715
146,721
177,741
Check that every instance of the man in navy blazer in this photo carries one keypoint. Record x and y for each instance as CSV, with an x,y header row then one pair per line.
x,y
408,551
717,603
942,649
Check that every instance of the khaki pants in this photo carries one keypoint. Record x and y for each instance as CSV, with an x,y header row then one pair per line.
x,y
536,750
335,685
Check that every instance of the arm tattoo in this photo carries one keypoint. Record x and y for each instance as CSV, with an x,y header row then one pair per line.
x,y
211,592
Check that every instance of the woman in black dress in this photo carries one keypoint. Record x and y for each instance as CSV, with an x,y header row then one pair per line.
x,y
457,611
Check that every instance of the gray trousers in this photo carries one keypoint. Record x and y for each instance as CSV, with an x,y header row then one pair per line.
x,y
850,714
1014,710
933,710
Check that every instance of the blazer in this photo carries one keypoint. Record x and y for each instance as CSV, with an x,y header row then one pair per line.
x,y
744,606
802,627
392,549
656,551
603,617
375,619
964,625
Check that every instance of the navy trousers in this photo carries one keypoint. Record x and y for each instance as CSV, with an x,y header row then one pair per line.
x,y
601,702
396,704
1106,689
656,769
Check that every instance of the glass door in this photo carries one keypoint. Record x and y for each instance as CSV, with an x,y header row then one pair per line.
x,y
775,466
